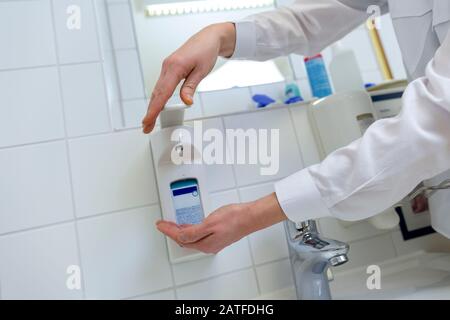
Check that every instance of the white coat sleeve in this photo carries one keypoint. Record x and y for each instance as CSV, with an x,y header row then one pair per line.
x,y
304,27
393,156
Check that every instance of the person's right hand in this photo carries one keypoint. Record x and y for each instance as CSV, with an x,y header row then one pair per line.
x,y
191,63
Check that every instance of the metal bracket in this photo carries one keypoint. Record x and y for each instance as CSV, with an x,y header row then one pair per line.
x,y
429,191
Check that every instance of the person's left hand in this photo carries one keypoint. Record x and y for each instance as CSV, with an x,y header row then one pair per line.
x,y
226,225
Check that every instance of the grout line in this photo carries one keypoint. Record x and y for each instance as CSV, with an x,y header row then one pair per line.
x,y
166,246
70,138
230,114
36,228
31,144
190,283
44,66
187,284
70,172
93,216
297,139
115,67
391,235
101,214
172,272
150,293
106,213
137,46
252,258
102,65
379,235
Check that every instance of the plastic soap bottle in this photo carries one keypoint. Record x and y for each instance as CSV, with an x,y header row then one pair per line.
x,y
292,92
344,69
318,76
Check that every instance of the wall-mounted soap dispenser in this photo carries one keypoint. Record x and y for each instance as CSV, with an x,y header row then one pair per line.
x,y
181,177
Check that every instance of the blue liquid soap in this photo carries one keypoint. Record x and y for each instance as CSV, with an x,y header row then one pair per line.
x,y
318,76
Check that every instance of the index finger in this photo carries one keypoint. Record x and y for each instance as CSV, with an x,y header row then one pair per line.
x,y
165,87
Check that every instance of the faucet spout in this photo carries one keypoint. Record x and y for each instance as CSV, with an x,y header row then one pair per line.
x,y
311,257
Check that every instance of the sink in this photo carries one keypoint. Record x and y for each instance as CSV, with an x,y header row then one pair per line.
x,y
421,275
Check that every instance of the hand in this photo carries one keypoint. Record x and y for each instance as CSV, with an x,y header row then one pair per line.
x,y
191,63
226,225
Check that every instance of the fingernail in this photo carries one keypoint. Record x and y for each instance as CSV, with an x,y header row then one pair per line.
x,y
182,238
189,100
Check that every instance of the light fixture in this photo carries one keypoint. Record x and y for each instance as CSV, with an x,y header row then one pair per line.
x,y
170,7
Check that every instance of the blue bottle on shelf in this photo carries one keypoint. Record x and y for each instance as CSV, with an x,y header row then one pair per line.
x,y
318,76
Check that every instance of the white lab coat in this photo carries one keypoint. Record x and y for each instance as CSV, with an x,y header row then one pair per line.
x,y
395,155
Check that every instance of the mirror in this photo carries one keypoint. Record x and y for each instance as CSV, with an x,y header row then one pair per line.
x,y
161,30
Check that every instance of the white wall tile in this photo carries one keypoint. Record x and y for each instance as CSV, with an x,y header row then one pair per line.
x,y
335,229
76,45
392,48
235,286
33,264
273,90
116,1
85,104
134,111
123,255
268,244
164,295
220,176
26,33
31,108
305,89
430,243
122,28
275,276
372,76
130,78
305,135
112,172
369,251
220,199
299,66
289,154
34,186
105,35
235,257
112,89
226,101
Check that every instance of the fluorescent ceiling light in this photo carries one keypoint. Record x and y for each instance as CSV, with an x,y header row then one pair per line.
x,y
200,6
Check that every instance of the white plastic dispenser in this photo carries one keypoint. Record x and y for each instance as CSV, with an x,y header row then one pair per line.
x,y
182,184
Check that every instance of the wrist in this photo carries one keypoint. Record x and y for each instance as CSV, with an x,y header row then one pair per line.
x,y
264,213
227,38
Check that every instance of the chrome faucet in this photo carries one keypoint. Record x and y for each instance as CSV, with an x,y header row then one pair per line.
x,y
311,258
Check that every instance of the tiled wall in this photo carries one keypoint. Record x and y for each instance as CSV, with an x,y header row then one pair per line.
x,y
75,190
